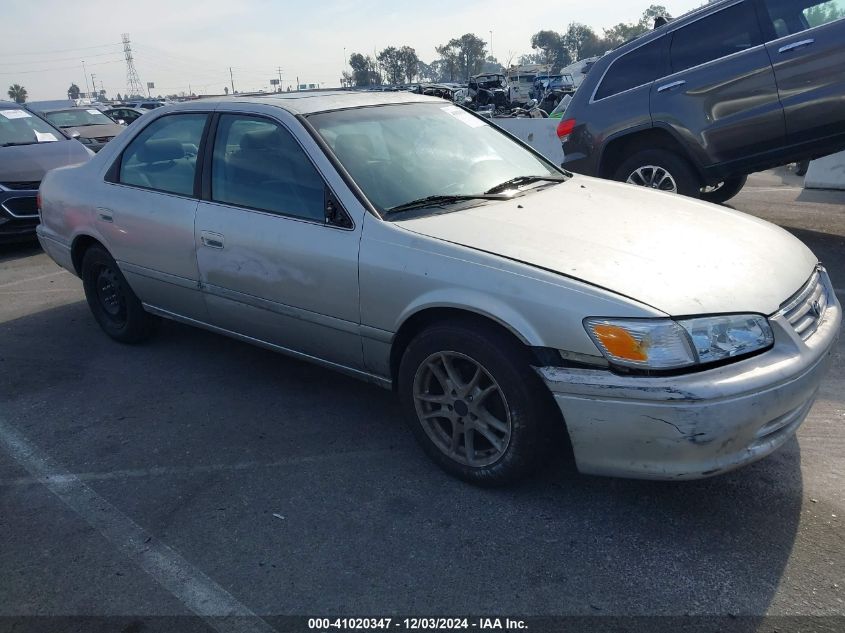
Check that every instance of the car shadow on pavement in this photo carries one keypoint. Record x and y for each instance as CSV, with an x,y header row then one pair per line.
x,y
18,250
271,473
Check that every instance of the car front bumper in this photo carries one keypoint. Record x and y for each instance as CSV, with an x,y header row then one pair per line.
x,y
18,214
700,424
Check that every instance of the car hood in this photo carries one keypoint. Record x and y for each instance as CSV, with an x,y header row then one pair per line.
x,y
681,256
26,163
97,131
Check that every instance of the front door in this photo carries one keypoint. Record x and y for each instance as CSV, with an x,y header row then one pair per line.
x,y
722,89
272,267
806,43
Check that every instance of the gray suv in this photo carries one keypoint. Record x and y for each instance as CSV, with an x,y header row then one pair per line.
x,y
697,104
29,147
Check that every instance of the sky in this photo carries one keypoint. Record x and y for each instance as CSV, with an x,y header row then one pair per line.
x,y
191,44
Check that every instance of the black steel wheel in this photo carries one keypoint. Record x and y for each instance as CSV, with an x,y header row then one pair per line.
x,y
115,307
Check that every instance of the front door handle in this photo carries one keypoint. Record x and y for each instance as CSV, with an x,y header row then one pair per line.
x,y
212,240
795,45
106,215
674,84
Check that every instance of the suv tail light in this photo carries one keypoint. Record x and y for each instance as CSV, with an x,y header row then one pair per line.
x,y
564,129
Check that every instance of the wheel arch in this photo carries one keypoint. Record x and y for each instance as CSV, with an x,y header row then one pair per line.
x,y
617,148
81,243
424,317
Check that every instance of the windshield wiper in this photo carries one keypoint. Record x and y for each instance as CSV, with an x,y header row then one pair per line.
x,y
430,201
523,180
84,124
19,144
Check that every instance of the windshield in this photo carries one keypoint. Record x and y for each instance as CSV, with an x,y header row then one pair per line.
x,y
400,153
78,117
19,127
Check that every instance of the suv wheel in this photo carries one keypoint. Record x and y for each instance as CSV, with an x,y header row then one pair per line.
x,y
723,191
662,170
115,307
474,403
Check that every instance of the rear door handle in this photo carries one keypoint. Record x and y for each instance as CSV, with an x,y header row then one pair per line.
x,y
795,45
212,240
674,84
106,215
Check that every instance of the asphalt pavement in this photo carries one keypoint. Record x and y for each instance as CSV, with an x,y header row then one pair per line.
x,y
198,474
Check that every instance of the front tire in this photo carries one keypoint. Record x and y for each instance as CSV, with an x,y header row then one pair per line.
x,y
115,307
474,403
662,170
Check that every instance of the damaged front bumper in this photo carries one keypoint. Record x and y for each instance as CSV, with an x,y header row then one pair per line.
x,y
700,424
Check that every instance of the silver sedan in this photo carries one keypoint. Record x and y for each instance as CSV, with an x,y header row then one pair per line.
x,y
410,243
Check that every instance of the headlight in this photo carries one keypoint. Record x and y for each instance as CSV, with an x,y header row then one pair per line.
x,y
668,344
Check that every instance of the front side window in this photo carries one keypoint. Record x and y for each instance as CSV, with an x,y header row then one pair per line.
x,y
164,155
723,33
402,153
637,68
258,164
789,17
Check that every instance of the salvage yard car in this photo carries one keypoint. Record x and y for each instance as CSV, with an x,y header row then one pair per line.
x,y
29,146
410,243
89,126
696,105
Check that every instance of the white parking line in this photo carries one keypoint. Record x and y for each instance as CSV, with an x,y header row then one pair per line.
x,y
167,471
39,277
199,593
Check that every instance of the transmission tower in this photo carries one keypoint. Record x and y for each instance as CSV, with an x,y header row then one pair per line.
x,y
133,82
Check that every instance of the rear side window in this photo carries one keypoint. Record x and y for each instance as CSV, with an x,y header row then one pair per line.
x,y
641,66
789,17
729,31
164,155
258,164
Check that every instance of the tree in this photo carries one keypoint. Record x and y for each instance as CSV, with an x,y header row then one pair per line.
x,y
463,56
118,97
17,93
824,13
73,92
391,61
364,70
581,41
623,32
410,62
346,79
551,47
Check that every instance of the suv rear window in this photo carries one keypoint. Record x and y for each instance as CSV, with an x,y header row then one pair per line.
x,y
790,17
641,66
723,33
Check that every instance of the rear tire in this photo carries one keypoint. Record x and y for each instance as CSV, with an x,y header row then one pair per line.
x,y
475,404
725,191
115,307
662,170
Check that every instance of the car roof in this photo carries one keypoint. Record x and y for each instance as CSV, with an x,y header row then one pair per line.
x,y
11,105
311,102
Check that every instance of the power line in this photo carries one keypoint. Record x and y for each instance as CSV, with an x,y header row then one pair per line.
x,y
65,50
51,69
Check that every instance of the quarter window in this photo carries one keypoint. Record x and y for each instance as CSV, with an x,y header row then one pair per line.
x,y
723,33
164,155
789,17
259,165
639,67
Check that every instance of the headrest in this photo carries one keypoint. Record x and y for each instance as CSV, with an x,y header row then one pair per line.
x,y
262,139
161,150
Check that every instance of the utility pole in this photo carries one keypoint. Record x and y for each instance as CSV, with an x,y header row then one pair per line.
x,y
231,77
93,83
85,74
491,43
279,68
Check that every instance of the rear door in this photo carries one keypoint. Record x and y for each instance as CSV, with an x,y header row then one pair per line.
x,y
806,43
721,96
148,210
273,266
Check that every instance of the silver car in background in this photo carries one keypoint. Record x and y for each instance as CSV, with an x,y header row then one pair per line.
x,y
406,241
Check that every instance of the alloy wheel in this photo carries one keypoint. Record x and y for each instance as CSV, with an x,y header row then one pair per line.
x,y
462,409
654,177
